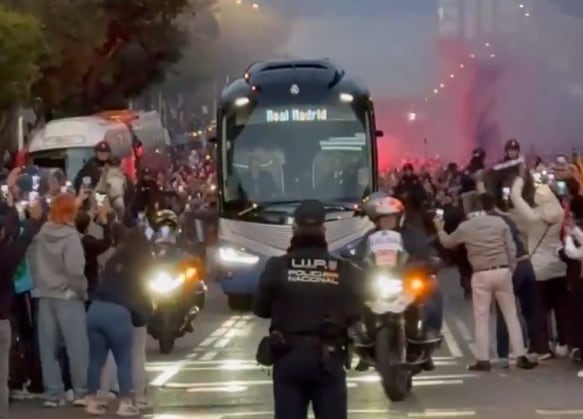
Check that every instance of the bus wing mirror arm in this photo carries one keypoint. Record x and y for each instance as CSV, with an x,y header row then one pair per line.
x,y
379,133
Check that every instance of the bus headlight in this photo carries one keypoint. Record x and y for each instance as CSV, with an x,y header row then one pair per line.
x,y
233,256
387,287
164,283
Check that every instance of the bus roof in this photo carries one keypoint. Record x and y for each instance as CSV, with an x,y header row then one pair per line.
x,y
278,73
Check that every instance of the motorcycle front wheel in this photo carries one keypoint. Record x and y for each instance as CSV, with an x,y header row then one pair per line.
x,y
396,378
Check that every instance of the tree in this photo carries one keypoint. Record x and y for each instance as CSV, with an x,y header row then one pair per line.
x,y
21,46
104,51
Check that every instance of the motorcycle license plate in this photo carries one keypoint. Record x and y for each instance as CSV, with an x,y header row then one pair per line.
x,y
398,305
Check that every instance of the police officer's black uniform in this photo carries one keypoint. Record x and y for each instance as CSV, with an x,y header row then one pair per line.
x,y
91,168
308,297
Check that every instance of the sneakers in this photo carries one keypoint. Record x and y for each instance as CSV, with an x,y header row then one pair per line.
x,y
127,408
143,404
504,363
70,396
561,351
94,407
81,402
52,404
483,366
524,363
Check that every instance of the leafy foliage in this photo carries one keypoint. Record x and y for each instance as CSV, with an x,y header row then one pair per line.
x,y
21,45
100,52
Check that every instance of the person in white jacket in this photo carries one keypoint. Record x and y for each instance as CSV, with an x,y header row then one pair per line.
x,y
572,251
544,223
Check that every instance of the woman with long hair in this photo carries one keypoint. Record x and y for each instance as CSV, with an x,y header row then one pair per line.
x,y
120,301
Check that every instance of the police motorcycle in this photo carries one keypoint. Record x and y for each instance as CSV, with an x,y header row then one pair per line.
x,y
392,336
176,284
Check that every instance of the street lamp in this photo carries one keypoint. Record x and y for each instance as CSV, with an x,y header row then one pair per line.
x,y
255,6
412,116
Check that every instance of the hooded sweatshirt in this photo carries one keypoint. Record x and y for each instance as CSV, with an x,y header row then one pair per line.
x,y
57,263
544,223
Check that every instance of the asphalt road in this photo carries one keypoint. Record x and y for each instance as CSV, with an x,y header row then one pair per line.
x,y
212,375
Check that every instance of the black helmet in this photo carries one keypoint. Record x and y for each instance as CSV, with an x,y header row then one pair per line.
x,y
512,144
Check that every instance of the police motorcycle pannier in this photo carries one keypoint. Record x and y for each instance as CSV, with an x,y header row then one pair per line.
x,y
176,284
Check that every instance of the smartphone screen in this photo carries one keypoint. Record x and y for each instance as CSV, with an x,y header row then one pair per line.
x,y
99,197
87,181
561,187
439,213
506,193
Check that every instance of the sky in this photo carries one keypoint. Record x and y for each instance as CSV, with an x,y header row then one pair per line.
x,y
386,43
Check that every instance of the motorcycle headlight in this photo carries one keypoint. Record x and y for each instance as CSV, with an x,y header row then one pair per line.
x,y
387,287
164,283
234,256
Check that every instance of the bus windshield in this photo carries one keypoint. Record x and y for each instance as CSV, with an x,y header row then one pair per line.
x,y
283,154
69,160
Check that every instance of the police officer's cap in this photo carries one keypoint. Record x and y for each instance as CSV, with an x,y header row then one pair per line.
x,y
310,213
103,147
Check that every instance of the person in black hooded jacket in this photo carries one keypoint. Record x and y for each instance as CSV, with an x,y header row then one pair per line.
x,y
120,303
13,245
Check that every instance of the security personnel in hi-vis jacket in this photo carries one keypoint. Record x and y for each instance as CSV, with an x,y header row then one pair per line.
x,y
307,293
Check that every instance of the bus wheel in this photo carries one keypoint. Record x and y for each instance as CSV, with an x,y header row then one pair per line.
x,y
240,302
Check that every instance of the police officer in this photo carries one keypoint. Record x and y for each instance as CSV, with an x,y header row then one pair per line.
x,y
307,295
91,168
511,150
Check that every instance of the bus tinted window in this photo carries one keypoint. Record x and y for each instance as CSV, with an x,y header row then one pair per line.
x,y
297,152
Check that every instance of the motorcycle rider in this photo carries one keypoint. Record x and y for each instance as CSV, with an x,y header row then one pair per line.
x,y
148,195
388,213
91,168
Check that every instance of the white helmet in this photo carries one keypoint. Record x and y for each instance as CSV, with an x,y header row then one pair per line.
x,y
380,204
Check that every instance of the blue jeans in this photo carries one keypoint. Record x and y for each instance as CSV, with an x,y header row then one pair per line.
x,y
110,328
62,321
524,282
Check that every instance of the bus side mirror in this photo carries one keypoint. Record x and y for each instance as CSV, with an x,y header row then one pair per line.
x,y
212,139
379,133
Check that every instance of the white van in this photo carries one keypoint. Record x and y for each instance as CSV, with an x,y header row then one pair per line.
x,y
68,143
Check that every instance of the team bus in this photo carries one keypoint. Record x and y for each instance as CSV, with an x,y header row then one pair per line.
x,y
289,131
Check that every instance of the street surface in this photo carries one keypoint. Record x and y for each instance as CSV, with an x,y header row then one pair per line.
x,y
212,375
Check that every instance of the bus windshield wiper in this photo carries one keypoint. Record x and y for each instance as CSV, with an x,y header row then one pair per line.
x,y
255,206
328,205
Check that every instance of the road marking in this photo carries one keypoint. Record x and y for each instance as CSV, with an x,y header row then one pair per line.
x,y
559,412
209,356
222,343
207,342
232,333
249,383
240,324
168,374
375,412
464,331
451,343
442,414
219,332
